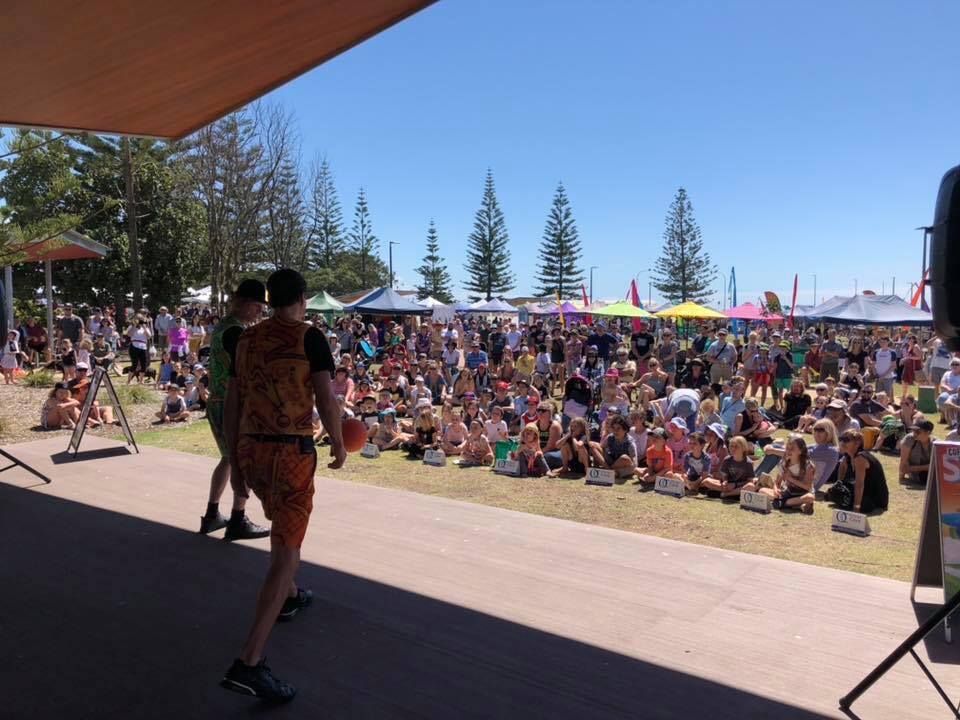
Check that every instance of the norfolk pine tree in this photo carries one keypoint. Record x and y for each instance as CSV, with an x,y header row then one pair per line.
x,y
560,271
326,219
433,272
362,240
683,271
488,254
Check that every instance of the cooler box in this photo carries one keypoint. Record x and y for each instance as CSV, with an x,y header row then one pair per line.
x,y
503,449
927,399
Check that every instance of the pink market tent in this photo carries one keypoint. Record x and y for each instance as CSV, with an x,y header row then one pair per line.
x,y
749,311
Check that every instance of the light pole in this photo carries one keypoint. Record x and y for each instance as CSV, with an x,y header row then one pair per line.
x,y
856,286
893,287
814,289
592,268
636,279
392,243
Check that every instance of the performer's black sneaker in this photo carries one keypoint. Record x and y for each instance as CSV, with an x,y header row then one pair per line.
x,y
257,681
211,524
293,605
244,529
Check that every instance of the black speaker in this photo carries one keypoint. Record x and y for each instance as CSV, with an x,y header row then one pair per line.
x,y
945,260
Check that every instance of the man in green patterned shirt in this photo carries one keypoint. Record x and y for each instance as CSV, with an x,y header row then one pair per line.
x,y
246,307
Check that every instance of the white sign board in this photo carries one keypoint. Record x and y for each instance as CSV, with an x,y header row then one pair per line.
x,y
437,458
370,451
850,522
670,486
756,501
507,467
600,476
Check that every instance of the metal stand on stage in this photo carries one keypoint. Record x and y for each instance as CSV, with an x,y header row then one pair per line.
x,y
100,377
907,648
16,463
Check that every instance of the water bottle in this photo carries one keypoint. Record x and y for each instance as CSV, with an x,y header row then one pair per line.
x,y
758,452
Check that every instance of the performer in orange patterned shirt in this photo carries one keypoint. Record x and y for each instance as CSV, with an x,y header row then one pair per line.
x,y
281,368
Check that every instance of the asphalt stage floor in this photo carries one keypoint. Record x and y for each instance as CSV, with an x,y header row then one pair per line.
x,y
111,606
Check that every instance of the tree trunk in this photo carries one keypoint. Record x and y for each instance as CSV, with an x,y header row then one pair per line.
x,y
132,240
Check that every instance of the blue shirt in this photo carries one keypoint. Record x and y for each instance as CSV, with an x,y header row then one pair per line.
x,y
474,359
729,411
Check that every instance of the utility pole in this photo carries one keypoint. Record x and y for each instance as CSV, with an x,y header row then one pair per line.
x,y
814,289
592,268
132,241
893,287
392,243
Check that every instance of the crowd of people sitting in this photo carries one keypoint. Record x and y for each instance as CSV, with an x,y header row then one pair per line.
x,y
562,398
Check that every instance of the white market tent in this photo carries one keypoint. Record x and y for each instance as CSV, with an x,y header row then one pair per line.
x,y
495,306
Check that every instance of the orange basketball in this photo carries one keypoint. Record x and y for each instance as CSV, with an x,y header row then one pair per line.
x,y
354,434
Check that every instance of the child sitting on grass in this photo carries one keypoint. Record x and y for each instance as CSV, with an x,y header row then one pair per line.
x,y
677,442
734,472
795,486
476,449
388,435
529,454
659,458
454,434
696,463
174,408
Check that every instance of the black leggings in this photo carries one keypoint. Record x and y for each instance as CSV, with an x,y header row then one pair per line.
x,y
139,359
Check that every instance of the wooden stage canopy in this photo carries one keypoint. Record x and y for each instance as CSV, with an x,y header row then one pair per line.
x,y
166,69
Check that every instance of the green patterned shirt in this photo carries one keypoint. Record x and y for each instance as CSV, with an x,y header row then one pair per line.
x,y
219,370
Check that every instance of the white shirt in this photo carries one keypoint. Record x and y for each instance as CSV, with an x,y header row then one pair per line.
x,y
513,340
885,363
496,431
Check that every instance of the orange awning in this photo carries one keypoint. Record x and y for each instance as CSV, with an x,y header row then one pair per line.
x,y
69,245
166,69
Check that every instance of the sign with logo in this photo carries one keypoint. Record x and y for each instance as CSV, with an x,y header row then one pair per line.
x,y
670,486
756,501
601,476
850,522
507,467
370,451
437,458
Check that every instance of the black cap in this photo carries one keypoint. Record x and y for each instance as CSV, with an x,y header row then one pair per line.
x,y
251,289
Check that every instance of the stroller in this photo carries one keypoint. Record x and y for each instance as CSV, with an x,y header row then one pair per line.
x,y
579,400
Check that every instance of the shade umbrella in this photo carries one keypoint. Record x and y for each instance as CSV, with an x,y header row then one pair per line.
x,y
324,302
749,311
621,309
691,310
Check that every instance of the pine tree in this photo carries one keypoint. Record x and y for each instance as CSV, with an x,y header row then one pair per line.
x,y
488,257
560,271
362,240
683,271
326,219
436,279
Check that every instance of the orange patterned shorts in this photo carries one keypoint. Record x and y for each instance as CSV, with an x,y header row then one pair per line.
x,y
281,476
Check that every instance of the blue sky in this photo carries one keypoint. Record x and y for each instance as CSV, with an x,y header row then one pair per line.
x,y
811,137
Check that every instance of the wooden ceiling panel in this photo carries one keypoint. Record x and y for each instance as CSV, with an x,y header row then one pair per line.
x,y
167,68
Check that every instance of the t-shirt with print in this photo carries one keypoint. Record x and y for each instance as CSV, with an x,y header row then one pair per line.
x,y
736,472
696,467
885,363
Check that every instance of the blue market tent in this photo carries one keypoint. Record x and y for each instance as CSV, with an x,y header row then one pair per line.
x,y
870,310
386,301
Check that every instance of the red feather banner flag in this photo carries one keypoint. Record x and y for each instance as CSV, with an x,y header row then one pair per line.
x,y
635,301
793,302
586,304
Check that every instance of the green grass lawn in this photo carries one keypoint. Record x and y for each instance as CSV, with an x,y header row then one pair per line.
x,y
888,552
